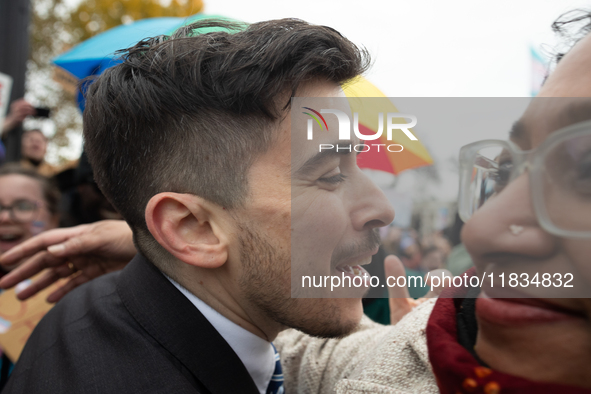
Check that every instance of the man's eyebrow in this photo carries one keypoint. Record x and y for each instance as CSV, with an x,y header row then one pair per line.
x,y
325,154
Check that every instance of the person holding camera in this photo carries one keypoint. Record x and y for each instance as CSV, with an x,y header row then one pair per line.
x,y
34,142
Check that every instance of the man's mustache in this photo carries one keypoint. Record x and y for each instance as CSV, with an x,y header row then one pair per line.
x,y
366,245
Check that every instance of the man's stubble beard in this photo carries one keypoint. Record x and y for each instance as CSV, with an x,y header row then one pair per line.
x,y
266,284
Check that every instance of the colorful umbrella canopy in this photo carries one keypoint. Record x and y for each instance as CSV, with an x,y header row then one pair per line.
x,y
96,54
414,153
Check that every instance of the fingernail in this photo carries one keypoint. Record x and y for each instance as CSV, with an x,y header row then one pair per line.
x,y
56,249
22,286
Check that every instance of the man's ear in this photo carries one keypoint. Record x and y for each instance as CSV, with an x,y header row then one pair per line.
x,y
188,227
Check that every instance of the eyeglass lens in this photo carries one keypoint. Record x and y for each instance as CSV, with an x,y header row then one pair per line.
x,y
567,184
21,210
566,180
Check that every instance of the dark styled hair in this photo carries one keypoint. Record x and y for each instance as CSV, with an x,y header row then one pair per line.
x,y
50,191
189,113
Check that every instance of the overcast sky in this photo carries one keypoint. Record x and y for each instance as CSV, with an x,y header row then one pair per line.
x,y
430,48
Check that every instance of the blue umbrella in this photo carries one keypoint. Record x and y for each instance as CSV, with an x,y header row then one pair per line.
x,y
96,54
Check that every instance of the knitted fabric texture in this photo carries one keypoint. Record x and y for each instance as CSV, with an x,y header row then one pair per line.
x,y
374,359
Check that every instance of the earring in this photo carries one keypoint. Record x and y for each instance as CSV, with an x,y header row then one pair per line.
x,y
515,229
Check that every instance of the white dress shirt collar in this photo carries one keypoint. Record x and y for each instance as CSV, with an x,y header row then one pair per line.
x,y
256,354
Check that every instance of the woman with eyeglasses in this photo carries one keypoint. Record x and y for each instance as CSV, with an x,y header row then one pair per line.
x,y
28,206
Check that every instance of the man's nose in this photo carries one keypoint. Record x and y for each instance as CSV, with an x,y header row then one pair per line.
x,y
371,207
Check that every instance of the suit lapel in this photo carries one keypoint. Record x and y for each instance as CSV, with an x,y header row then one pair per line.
x,y
172,320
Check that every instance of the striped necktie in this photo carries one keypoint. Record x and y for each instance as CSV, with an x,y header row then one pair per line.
x,y
276,383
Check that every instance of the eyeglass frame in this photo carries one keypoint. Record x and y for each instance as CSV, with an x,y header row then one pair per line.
x,y
10,209
531,160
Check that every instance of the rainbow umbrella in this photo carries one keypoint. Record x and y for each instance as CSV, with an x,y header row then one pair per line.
x,y
414,153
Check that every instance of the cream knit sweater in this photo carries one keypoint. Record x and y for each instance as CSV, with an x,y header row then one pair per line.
x,y
374,359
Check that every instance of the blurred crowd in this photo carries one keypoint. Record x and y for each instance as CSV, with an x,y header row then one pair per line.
x,y
420,254
36,196
81,200
423,253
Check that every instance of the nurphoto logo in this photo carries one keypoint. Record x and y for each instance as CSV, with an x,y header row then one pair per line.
x,y
393,122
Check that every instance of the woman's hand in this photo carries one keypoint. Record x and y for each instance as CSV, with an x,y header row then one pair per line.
x,y
81,253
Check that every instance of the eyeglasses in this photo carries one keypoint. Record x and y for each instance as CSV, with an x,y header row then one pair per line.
x,y
21,211
559,174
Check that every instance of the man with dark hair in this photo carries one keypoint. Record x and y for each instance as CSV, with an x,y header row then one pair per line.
x,y
191,140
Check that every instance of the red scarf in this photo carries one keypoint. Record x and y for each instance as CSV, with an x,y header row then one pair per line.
x,y
457,371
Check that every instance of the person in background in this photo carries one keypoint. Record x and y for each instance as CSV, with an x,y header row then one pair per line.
x,y
29,203
433,258
375,302
19,110
391,241
82,200
459,260
33,142
437,240
410,254
28,206
33,149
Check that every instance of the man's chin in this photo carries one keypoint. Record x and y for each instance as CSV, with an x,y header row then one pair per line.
x,y
338,331
343,318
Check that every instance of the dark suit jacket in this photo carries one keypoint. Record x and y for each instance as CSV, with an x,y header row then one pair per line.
x,y
128,332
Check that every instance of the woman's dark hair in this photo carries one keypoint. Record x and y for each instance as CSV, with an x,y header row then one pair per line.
x,y
50,191
571,26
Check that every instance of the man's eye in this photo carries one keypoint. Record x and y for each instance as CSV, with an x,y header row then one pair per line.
x,y
333,180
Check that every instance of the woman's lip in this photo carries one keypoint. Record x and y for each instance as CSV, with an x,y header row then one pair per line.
x,y
7,245
519,311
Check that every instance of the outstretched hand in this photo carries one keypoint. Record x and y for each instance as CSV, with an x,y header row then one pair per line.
x,y
400,300
81,253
